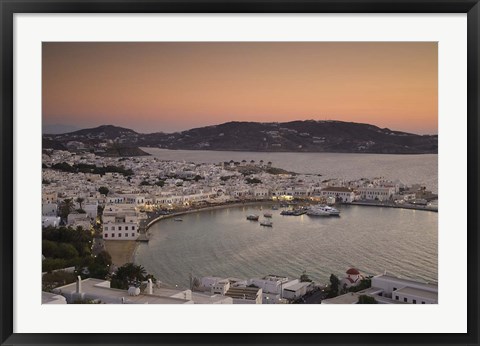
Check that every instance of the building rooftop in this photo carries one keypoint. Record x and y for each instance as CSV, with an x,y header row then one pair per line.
x,y
348,298
337,188
296,287
250,293
418,292
100,289
48,298
405,281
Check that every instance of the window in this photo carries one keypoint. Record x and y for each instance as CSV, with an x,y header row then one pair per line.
x,y
405,300
133,228
106,228
113,235
394,288
119,235
106,235
133,234
396,297
414,301
119,228
126,234
113,228
126,228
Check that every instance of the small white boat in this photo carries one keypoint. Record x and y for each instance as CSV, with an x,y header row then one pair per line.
x,y
266,223
252,217
269,215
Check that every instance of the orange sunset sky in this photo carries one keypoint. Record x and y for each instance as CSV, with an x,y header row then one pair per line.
x,y
152,87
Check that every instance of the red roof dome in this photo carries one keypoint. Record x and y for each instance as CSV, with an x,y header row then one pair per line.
x,y
353,271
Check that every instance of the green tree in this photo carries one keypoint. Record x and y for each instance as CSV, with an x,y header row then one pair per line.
x,y
98,271
80,200
253,181
50,264
304,277
364,299
66,207
103,190
66,251
49,248
364,284
334,283
103,258
56,279
127,274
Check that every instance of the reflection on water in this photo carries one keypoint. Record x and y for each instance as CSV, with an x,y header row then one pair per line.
x,y
223,243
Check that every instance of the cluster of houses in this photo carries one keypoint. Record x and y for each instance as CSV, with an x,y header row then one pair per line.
x,y
155,184
270,289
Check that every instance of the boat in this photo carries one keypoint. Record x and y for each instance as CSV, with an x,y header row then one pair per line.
x,y
269,215
177,219
287,212
266,223
274,207
322,210
317,211
252,217
333,211
298,212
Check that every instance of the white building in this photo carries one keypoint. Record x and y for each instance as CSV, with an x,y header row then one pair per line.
x,y
245,295
50,221
91,208
353,278
404,290
387,289
49,209
296,291
221,287
341,194
376,193
78,218
100,291
120,223
272,287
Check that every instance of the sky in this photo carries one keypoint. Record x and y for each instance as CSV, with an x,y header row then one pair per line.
x,y
175,86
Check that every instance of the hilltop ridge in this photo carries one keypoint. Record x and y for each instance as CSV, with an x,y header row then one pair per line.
x,y
294,136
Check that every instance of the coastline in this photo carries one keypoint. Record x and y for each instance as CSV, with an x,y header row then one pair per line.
x,y
124,254
214,207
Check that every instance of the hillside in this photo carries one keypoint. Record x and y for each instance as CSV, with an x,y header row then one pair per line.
x,y
295,136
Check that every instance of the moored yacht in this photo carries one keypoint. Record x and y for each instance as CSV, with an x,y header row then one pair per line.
x,y
323,210
252,217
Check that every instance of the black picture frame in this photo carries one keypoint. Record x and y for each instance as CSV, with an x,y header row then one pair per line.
x,y
10,7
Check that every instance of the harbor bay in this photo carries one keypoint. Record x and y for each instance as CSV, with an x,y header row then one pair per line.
x,y
222,242
374,239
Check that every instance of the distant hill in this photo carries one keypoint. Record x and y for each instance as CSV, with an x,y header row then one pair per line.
x,y
295,136
58,128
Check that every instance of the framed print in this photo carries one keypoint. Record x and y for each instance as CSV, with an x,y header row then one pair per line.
x,y
286,172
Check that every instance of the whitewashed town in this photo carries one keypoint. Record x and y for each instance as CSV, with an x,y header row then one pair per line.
x,y
90,201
